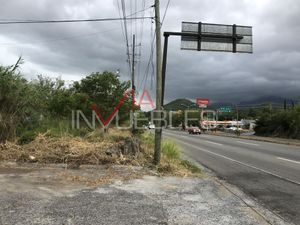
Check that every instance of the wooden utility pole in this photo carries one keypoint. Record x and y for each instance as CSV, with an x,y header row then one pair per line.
x,y
132,82
158,128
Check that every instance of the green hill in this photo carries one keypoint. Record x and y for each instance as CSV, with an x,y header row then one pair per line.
x,y
179,104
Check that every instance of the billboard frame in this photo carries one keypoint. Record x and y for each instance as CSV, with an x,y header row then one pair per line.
x,y
234,37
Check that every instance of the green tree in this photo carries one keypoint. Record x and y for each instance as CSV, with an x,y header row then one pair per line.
x,y
105,90
14,101
279,123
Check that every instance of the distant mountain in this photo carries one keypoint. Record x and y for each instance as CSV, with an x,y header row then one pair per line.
x,y
264,100
179,104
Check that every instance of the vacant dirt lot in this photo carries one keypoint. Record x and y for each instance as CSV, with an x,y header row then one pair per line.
x,y
31,194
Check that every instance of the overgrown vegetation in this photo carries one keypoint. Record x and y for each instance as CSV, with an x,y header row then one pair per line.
x,y
171,162
28,108
73,151
284,124
35,124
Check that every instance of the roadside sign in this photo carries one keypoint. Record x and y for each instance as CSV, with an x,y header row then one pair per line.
x,y
202,102
202,37
226,109
216,37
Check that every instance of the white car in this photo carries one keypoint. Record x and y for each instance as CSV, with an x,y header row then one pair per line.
x,y
151,126
233,129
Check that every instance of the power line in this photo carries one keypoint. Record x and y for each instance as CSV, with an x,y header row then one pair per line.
x,y
119,11
141,39
126,33
122,13
165,13
64,38
142,10
146,73
71,21
150,61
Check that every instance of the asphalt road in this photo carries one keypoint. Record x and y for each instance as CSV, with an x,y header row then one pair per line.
x,y
267,171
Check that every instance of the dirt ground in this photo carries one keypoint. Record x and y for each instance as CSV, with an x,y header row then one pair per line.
x,y
52,194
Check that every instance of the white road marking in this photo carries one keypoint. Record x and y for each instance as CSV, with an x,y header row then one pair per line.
x,y
289,160
247,143
215,143
188,137
236,161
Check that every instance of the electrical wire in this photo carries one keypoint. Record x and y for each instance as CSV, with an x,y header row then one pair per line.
x,y
64,38
150,61
125,31
126,34
141,40
71,21
165,13
146,74
121,22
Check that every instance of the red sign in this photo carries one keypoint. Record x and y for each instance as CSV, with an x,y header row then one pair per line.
x,y
202,102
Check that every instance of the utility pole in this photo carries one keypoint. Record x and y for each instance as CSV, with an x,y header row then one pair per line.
x,y
237,120
132,82
158,128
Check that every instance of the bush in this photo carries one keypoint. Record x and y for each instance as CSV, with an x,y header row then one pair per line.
x,y
170,150
284,124
26,137
45,104
14,101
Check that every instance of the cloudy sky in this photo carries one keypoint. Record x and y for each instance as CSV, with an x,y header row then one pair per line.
x,y
75,50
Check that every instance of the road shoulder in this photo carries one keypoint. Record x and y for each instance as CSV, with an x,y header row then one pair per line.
x,y
275,140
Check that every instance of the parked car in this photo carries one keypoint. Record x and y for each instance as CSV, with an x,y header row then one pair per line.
x,y
194,130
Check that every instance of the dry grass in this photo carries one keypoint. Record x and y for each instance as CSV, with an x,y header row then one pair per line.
x,y
92,150
69,150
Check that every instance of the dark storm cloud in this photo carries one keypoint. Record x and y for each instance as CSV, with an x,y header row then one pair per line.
x,y
273,69
66,48
74,50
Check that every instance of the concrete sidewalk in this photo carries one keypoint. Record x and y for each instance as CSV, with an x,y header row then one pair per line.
x,y
43,196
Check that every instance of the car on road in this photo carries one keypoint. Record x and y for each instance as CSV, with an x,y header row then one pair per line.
x,y
194,130
230,129
151,126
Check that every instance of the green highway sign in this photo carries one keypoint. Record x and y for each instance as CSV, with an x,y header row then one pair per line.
x,y
226,109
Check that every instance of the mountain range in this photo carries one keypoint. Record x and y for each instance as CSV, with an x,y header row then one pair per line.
x,y
182,104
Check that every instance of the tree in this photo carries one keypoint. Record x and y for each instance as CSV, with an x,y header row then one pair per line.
x,y
14,102
105,90
280,123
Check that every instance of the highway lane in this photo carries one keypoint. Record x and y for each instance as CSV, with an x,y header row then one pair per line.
x,y
267,171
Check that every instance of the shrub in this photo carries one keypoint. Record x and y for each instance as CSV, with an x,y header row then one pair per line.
x,y
280,124
170,150
26,137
